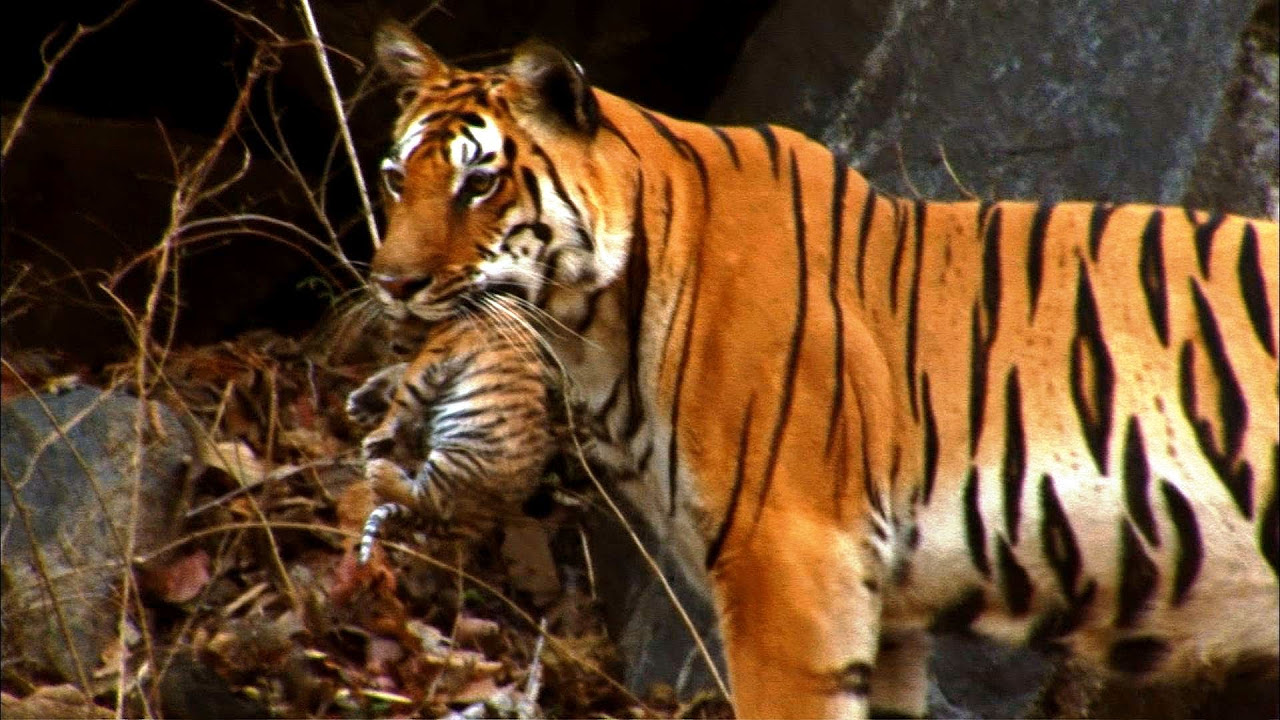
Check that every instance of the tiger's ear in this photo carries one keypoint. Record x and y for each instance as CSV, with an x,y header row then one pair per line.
x,y
404,57
557,84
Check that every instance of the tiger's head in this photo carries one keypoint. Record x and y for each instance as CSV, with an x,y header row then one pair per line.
x,y
491,182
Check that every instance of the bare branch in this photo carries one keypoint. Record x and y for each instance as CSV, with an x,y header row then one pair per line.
x,y
314,33
80,33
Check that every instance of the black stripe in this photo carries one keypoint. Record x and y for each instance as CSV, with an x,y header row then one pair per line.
x,y
1232,408
1139,578
589,317
913,303
1059,622
668,213
1137,479
559,187
509,150
686,346
1137,655
607,124
1269,528
959,615
1151,270
793,354
677,144
975,530
1239,484
1092,373
1190,550
874,499
1204,240
1097,225
930,439
991,278
535,193
1253,288
979,361
840,179
735,493
1015,584
864,232
771,142
900,218
1014,467
1035,253
1057,538
728,145
686,151
637,292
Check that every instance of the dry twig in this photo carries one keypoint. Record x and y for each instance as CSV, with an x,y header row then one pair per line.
x,y
79,34
314,33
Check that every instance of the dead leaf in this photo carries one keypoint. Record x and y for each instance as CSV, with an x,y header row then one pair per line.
x,y
181,580
474,691
472,630
526,548
54,701
382,653
235,459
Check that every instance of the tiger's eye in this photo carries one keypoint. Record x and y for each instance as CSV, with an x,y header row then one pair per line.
x,y
393,180
478,183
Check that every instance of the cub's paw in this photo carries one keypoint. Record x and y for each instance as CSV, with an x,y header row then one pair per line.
x,y
389,482
367,404
378,444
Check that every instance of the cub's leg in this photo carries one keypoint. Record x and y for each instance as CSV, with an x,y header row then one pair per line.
x,y
800,615
900,687
367,404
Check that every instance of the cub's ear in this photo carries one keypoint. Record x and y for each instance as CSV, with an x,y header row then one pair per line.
x,y
557,85
404,57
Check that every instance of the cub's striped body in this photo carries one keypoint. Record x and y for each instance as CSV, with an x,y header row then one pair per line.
x,y
471,409
1052,423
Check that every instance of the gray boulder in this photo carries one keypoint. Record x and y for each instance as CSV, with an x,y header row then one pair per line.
x,y
65,505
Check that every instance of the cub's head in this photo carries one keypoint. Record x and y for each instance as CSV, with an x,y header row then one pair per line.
x,y
484,183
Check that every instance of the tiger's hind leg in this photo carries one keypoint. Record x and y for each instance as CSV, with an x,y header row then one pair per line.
x,y
900,687
800,614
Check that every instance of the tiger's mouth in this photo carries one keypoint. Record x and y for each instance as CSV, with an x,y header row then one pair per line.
x,y
464,292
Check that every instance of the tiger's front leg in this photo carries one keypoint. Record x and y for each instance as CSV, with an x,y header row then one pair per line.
x,y
800,614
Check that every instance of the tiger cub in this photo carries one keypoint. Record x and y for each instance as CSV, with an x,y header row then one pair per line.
x,y
472,409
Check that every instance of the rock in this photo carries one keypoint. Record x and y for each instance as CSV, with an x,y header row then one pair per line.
x,y
1069,99
1237,170
976,678
65,504
653,640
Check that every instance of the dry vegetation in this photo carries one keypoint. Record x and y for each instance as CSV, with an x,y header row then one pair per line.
x,y
259,606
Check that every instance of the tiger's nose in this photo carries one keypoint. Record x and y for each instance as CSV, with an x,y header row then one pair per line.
x,y
402,287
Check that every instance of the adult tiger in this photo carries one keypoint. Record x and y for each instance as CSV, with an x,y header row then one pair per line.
x,y
1050,423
